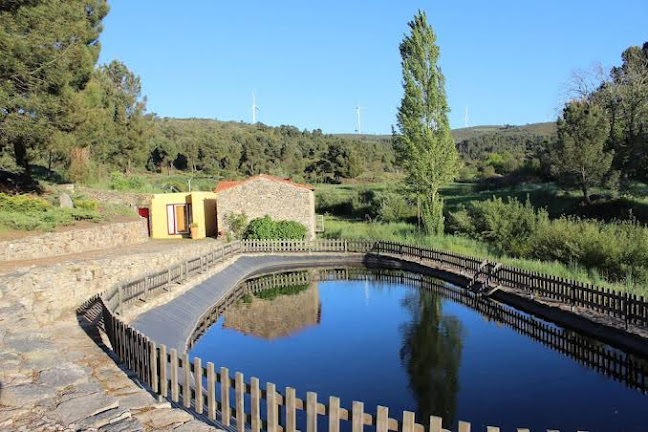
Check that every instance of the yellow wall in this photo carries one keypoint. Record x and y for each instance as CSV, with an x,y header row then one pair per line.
x,y
203,211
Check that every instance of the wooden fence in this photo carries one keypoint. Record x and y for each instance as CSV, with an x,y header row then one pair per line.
x,y
195,386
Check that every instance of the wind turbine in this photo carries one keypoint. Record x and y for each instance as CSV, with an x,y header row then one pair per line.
x,y
358,110
255,109
466,119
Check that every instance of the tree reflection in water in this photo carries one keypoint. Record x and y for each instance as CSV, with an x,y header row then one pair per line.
x,y
431,354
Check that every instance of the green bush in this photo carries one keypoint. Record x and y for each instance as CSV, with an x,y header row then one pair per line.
x,y
266,228
291,230
85,204
261,229
392,207
23,203
506,225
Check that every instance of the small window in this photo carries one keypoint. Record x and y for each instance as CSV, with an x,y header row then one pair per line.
x,y
178,218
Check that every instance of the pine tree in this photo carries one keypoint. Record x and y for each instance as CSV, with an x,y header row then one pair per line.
x,y
579,158
49,49
425,146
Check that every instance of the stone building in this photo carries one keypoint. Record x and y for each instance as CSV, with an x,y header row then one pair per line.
x,y
281,199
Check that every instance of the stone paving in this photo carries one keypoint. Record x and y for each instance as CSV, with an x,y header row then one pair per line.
x,y
55,372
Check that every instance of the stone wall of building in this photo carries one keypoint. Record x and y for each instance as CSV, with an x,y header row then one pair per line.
x,y
74,240
261,196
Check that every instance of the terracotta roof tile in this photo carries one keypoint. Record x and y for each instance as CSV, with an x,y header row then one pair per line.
x,y
228,184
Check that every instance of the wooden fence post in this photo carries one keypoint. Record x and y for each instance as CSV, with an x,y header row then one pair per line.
x,y
154,367
357,417
408,421
291,415
255,397
626,313
225,396
163,371
382,419
198,374
240,402
311,412
436,424
271,407
174,375
211,392
465,427
186,385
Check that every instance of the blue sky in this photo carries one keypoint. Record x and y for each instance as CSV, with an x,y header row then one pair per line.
x,y
310,63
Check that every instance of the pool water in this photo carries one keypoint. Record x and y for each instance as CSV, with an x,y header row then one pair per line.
x,y
396,345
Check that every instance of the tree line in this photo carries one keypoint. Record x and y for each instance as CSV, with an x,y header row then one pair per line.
x,y
61,111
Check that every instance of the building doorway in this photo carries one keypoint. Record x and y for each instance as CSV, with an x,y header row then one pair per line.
x,y
178,218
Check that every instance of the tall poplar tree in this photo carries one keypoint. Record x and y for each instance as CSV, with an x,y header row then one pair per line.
x,y
426,149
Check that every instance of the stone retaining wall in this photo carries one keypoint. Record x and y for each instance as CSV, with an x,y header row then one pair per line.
x,y
57,289
74,241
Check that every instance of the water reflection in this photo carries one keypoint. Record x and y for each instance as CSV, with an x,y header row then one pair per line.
x,y
431,354
419,344
275,313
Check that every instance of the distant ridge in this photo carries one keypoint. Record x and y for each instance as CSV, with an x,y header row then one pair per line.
x,y
461,134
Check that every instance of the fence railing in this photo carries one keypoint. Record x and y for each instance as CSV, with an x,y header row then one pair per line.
x,y
196,386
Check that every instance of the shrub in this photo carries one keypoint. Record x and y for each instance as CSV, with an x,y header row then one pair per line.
x,y
392,207
291,230
23,203
85,204
261,229
266,228
236,224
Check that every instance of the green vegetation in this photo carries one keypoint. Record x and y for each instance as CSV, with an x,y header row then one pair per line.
x,y
29,213
266,228
425,147
49,49
274,292
407,232
618,251
579,158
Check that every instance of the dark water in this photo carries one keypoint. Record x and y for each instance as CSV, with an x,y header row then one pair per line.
x,y
409,349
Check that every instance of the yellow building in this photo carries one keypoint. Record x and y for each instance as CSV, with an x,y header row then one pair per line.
x,y
171,214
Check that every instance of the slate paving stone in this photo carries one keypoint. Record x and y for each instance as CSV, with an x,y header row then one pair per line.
x,y
80,408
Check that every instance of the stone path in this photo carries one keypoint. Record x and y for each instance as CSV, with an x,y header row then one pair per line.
x,y
173,323
55,373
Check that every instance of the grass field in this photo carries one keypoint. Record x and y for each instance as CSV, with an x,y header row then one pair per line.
x,y
633,203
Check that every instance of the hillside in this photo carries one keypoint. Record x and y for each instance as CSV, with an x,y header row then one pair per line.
x,y
543,129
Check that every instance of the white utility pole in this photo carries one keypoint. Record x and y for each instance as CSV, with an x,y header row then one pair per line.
x,y
359,118
255,108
